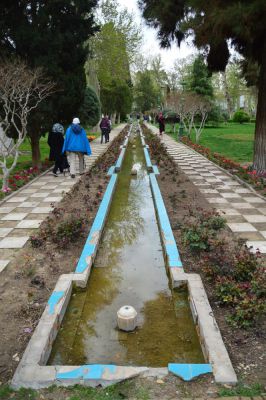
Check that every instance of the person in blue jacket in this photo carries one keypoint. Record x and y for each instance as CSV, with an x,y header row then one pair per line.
x,y
76,143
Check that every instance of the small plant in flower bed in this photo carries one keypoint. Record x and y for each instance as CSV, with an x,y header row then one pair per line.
x,y
67,231
200,229
238,276
254,178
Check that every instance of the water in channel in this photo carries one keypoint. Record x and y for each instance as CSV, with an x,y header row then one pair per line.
x,y
129,270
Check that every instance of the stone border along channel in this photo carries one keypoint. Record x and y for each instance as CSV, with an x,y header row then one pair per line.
x,y
32,371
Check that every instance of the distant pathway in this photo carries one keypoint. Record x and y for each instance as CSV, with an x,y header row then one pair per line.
x,y
26,210
244,210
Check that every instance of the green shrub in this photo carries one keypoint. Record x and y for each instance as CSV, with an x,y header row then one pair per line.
x,y
241,117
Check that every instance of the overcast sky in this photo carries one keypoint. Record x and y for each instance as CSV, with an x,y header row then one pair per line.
x,y
151,43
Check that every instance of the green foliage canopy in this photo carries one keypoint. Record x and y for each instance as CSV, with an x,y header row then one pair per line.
x,y
50,34
90,111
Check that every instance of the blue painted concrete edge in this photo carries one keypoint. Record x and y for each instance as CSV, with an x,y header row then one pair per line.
x,y
120,159
91,245
111,170
169,242
155,170
54,300
189,371
94,371
147,158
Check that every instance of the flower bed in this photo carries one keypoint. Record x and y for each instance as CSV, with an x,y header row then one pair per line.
x,y
22,177
258,181
91,137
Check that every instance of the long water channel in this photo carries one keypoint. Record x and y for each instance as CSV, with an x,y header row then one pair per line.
x,y
129,270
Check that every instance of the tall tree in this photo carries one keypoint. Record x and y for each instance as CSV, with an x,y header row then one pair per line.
x,y
214,24
147,93
200,81
50,34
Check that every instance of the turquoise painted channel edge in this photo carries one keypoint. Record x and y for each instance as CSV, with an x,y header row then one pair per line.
x,y
189,371
90,247
169,242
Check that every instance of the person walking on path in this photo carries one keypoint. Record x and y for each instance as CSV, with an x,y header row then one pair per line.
x,y
105,128
161,122
56,142
76,143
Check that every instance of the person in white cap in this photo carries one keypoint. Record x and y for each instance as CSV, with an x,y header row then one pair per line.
x,y
76,143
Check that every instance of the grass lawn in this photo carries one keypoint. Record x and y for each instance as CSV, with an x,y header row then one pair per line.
x,y
233,140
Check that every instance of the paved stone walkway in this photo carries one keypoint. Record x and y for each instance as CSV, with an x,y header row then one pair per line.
x,y
25,211
244,210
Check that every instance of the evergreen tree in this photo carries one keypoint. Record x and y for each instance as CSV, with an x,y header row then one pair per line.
x,y
214,24
200,82
50,34
90,111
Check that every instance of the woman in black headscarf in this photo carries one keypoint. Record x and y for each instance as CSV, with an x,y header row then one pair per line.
x,y
56,141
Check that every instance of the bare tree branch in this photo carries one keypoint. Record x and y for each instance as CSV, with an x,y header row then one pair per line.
x,y
21,91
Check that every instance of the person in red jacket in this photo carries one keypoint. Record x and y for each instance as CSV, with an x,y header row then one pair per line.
x,y
105,128
161,122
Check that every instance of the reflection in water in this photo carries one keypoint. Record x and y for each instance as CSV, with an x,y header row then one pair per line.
x,y
129,269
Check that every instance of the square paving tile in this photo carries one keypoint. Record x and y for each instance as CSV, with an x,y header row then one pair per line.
x,y
207,174
27,191
231,183
3,264
241,227
257,245
29,223
213,180
16,199
29,204
50,186
40,195
5,231
62,190
52,199
41,210
13,242
230,195
217,200
254,199
249,235
228,211
196,177
6,210
37,183
14,217
242,190
243,205
209,191
255,218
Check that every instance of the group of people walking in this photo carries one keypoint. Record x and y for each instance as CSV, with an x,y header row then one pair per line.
x,y
64,150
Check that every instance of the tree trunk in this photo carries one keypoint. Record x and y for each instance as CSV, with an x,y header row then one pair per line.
x,y
113,118
227,95
35,151
5,178
118,118
259,158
